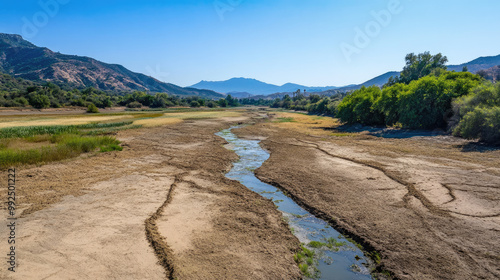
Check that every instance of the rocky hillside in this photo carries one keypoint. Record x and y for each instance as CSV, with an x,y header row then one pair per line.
x,y
21,58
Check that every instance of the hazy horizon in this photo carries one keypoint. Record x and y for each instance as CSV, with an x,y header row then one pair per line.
x,y
320,43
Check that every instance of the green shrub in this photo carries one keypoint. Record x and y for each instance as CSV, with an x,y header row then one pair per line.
x,y
92,109
479,114
134,104
482,124
39,101
424,104
388,103
358,107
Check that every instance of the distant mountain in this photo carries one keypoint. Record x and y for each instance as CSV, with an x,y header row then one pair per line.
x,y
475,65
253,87
487,63
21,58
260,89
380,80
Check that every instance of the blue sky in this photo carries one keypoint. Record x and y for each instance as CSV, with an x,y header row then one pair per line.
x,y
314,43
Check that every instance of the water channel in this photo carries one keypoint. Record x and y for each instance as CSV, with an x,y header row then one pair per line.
x,y
335,257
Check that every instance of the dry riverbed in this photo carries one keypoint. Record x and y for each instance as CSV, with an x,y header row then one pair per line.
x,y
163,209
429,205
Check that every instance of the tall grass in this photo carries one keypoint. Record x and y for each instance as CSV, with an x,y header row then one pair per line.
x,y
68,146
31,131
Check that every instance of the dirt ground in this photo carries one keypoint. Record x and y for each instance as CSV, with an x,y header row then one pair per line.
x,y
429,205
160,209
163,209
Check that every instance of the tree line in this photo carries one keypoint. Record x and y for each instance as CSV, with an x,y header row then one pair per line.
x,y
17,92
424,96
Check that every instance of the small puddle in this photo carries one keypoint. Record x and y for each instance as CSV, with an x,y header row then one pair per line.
x,y
334,256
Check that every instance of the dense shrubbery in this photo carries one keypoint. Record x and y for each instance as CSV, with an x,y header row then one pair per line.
x,y
479,114
358,107
422,104
425,96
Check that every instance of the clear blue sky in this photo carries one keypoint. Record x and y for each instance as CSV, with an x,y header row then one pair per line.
x,y
276,41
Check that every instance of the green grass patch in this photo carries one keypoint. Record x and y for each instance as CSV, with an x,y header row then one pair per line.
x,y
333,243
67,146
316,244
305,259
32,131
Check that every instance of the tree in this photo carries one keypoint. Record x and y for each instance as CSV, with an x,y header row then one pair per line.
x,y
358,107
39,101
194,104
465,69
134,104
231,102
211,104
418,66
222,102
92,109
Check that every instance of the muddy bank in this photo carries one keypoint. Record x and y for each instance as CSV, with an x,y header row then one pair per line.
x,y
86,218
430,217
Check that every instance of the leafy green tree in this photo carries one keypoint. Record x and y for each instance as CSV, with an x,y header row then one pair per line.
x,y
22,101
194,104
211,104
358,107
231,102
465,69
418,66
134,104
425,103
223,103
39,101
388,103
92,109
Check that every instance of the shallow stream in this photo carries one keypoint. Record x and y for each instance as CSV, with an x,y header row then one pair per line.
x,y
335,257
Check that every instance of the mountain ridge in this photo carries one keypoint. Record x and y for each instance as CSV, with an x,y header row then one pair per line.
x,y
481,63
23,59
253,86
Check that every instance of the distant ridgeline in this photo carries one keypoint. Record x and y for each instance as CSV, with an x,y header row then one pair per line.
x,y
22,59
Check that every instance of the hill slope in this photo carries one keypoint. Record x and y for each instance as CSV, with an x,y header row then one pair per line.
x,y
477,64
21,58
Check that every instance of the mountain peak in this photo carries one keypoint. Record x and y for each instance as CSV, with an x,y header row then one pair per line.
x,y
14,40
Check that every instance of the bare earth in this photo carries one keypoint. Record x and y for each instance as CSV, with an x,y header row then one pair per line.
x,y
160,209
430,208
163,209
